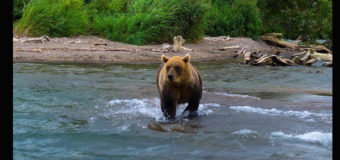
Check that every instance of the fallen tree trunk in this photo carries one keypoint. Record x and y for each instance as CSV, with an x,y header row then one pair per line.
x,y
273,60
240,52
178,41
310,62
298,54
323,57
285,62
247,57
277,42
275,35
274,39
226,48
186,49
307,56
264,60
42,39
319,48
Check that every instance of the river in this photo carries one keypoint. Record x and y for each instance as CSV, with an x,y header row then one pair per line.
x,y
88,111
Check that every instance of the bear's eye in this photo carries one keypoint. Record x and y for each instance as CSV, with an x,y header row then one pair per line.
x,y
167,68
177,68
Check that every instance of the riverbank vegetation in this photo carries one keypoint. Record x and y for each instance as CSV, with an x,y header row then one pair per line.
x,y
158,21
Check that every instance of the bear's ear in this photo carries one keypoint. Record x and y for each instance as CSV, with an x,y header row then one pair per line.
x,y
164,59
186,58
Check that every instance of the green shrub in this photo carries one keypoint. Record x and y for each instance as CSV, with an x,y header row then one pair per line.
x,y
308,19
237,18
107,7
18,5
54,18
146,21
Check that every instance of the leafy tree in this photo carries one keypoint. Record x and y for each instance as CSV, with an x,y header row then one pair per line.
x,y
310,19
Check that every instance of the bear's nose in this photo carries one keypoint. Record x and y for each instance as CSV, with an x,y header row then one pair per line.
x,y
171,77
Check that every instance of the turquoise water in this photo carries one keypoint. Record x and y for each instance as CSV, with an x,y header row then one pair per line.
x,y
70,111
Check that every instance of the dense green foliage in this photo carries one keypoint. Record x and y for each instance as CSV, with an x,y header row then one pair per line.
x,y
54,18
148,21
310,19
18,5
240,18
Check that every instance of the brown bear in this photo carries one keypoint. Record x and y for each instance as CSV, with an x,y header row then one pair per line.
x,y
178,81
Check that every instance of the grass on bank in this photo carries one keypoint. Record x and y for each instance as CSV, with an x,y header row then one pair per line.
x,y
55,18
147,21
158,21
234,18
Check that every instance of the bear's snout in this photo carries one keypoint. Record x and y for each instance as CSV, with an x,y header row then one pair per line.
x,y
170,77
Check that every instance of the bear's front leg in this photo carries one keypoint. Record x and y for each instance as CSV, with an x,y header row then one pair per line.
x,y
193,103
168,108
191,110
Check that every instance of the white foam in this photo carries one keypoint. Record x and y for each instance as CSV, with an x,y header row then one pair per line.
x,y
210,105
203,109
132,108
312,137
244,132
232,95
305,115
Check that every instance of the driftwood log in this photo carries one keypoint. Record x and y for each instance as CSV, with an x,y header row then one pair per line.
x,y
275,39
227,48
42,39
178,42
317,48
166,47
257,58
310,54
324,57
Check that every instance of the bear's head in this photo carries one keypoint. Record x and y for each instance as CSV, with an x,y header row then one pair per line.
x,y
176,68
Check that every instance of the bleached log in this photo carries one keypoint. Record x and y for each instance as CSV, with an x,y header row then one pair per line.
x,y
277,42
240,52
298,54
186,49
226,48
275,35
42,39
307,56
322,56
178,41
247,57
310,61
284,61
319,48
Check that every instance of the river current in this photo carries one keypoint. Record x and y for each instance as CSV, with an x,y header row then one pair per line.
x,y
87,111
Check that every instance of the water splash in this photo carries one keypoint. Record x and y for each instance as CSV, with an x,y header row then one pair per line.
x,y
244,132
324,139
304,115
231,95
136,108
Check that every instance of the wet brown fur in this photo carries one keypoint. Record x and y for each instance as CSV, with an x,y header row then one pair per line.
x,y
186,85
